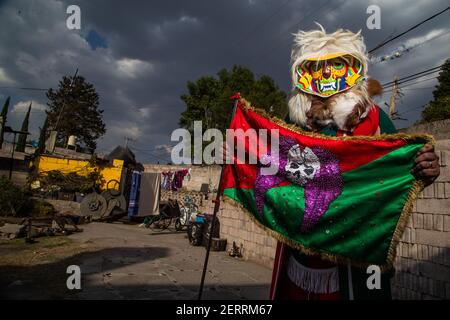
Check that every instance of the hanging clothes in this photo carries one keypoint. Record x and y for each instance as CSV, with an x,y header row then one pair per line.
x,y
178,178
167,180
150,193
133,205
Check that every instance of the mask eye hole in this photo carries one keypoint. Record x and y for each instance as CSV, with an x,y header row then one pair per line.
x,y
316,66
338,64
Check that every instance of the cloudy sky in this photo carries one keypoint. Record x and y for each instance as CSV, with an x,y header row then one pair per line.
x,y
140,54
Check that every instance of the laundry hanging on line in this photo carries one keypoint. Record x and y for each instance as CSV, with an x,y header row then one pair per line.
x,y
173,180
145,194
133,204
150,193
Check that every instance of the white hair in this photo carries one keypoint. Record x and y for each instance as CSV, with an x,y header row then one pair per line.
x,y
317,43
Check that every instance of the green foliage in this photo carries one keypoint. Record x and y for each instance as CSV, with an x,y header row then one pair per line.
x,y
74,110
21,142
42,137
3,118
13,200
71,182
208,98
40,208
439,108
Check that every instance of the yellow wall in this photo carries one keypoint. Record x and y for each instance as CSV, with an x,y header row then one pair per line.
x,y
81,167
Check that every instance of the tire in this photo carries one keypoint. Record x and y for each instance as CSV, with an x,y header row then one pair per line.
x,y
178,225
161,224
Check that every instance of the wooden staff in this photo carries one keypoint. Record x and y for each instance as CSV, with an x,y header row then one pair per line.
x,y
236,98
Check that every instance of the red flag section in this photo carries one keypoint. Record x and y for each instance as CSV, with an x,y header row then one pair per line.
x,y
351,153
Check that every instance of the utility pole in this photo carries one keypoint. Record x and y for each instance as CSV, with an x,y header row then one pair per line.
x,y
128,139
393,98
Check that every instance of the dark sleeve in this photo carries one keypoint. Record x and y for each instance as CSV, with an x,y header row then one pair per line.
x,y
386,124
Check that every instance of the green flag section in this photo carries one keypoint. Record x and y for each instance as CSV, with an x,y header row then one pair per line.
x,y
341,211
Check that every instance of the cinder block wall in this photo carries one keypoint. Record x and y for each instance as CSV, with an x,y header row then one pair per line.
x,y
235,225
423,255
199,175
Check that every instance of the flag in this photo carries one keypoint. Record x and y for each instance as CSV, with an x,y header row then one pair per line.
x,y
344,198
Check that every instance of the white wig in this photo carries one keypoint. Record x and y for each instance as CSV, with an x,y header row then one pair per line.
x,y
315,44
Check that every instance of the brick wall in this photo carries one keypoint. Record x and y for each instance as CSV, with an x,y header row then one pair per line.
x,y
235,225
423,255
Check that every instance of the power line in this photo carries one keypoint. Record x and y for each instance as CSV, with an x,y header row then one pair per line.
x,y
419,74
398,53
25,88
410,29
148,154
417,88
412,109
420,81
152,149
415,74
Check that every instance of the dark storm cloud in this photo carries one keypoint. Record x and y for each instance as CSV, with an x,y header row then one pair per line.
x,y
150,49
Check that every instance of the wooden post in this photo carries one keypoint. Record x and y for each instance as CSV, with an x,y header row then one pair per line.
x,y
213,222
393,98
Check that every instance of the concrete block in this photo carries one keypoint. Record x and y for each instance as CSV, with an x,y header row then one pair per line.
x,y
438,222
428,192
447,291
413,251
446,223
434,271
432,237
446,254
444,175
447,189
444,158
439,206
417,220
439,189
428,221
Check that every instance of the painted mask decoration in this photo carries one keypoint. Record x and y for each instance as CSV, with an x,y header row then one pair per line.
x,y
325,78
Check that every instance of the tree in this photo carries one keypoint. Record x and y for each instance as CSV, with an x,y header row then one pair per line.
x,y
42,137
208,98
439,108
74,110
22,141
3,117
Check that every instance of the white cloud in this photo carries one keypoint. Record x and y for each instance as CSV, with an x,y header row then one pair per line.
x,y
164,147
123,130
144,112
427,37
133,68
22,106
4,79
188,19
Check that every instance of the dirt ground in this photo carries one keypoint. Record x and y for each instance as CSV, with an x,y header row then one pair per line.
x,y
120,261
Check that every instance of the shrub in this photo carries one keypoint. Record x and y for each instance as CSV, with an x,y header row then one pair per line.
x,y
13,199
